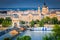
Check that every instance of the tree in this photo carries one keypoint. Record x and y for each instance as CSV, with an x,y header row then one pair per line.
x,y
50,37
6,23
1,20
58,22
32,23
46,38
27,38
55,35
22,22
24,38
36,22
41,23
8,19
18,38
56,30
47,19
54,20
7,38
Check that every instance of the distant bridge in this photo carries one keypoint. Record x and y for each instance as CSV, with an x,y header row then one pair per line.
x,y
8,30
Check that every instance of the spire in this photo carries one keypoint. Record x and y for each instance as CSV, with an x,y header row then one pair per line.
x,y
38,9
44,5
44,2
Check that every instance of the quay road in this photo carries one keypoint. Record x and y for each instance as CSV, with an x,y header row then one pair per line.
x,y
8,30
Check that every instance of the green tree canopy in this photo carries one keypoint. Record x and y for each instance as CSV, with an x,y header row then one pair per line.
x,y
41,23
36,22
58,22
22,22
7,38
8,19
1,20
55,35
56,30
54,20
47,19
32,23
6,23
24,38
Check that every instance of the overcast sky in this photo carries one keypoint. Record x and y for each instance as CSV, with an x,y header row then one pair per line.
x,y
28,3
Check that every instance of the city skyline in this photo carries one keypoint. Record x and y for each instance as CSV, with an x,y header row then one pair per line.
x,y
28,3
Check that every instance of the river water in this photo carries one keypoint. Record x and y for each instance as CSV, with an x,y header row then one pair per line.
x,y
35,35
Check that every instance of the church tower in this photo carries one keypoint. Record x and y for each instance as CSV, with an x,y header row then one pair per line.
x,y
39,12
44,9
38,9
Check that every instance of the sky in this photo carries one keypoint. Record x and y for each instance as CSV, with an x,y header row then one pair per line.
x,y
28,3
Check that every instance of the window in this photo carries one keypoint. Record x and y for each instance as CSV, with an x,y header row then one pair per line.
x,y
15,16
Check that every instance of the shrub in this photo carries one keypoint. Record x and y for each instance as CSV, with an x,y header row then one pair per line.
x,y
24,38
7,38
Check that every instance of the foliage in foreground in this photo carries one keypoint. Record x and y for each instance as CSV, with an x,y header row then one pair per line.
x,y
55,35
51,38
24,38
7,38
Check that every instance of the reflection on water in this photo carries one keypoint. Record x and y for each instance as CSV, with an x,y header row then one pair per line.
x,y
37,35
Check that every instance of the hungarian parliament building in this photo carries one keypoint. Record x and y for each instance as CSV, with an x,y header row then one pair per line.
x,y
29,15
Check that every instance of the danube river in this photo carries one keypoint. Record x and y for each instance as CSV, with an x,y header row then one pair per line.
x,y
35,35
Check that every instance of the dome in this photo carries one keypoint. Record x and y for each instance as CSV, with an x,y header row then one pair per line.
x,y
45,6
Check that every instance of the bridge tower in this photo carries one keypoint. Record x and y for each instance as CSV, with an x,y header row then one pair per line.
x,y
15,20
